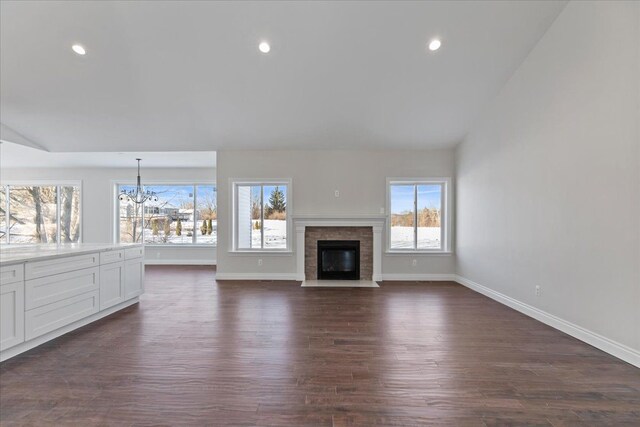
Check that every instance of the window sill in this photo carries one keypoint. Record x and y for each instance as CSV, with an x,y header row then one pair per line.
x,y
418,253
261,253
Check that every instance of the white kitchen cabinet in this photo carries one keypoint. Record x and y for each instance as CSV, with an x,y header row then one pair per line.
x,y
112,284
51,290
134,278
11,314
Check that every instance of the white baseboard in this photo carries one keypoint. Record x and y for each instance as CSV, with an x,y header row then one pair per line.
x,y
256,276
28,345
419,277
180,262
605,344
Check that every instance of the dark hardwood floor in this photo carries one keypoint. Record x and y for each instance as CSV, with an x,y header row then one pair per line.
x,y
197,352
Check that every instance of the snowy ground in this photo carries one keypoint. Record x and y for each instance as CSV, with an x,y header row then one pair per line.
x,y
275,234
402,237
24,233
185,238
274,237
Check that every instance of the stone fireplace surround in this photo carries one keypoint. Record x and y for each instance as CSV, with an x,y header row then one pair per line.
x,y
313,234
367,229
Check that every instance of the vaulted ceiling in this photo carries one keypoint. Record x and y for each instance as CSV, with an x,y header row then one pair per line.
x,y
188,75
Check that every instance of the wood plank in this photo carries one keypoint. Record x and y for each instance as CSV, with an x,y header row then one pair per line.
x,y
200,352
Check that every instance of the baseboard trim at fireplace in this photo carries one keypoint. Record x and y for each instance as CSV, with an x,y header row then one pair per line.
x,y
339,284
419,277
256,276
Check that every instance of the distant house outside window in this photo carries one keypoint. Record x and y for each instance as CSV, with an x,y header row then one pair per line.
x,y
185,214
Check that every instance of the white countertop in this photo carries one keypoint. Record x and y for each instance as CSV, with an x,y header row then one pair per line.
x,y
10,254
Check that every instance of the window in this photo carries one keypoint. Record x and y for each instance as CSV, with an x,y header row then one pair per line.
x,y
36,214
417,215
185,214
261,221
4,209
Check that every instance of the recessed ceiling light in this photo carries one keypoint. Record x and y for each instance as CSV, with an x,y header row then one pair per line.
x,y
434,44
264,47
79,49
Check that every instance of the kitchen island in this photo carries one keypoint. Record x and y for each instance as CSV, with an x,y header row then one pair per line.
x,y
49,290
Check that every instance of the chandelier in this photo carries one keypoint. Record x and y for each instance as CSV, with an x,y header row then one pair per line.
x,y
139,195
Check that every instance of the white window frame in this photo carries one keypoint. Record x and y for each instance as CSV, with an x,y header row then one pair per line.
x,y
446,215
46,183
116,211
234,183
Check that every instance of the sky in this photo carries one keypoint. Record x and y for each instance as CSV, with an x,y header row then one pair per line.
x,y
402,197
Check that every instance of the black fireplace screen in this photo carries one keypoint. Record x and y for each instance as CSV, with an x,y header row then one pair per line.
x,y
338,259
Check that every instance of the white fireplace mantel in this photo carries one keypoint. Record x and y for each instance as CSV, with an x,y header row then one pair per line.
x,y
376,222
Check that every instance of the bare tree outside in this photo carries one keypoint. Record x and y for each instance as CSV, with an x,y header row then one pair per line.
x,y
33,214
130,223
69,214
3,214
206,214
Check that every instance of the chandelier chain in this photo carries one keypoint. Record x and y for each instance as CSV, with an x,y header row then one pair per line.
x,y
138,195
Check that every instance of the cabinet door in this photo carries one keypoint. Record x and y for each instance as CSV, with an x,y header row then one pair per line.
x,y
134,278
11,315
111,284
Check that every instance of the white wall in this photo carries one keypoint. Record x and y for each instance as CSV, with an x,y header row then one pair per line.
x,y
548,181
98,196
360,176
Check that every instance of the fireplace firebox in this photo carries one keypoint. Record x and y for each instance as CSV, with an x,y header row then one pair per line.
x,y
338,259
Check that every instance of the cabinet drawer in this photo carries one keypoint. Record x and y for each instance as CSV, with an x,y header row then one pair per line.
x,y
33,270
47,290
132,253
11,274
50,317
11,315
111,256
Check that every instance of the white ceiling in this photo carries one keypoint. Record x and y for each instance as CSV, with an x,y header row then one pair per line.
x,y
19,156
188,76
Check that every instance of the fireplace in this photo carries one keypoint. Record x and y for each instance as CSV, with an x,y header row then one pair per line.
x,y
312,228
338,259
